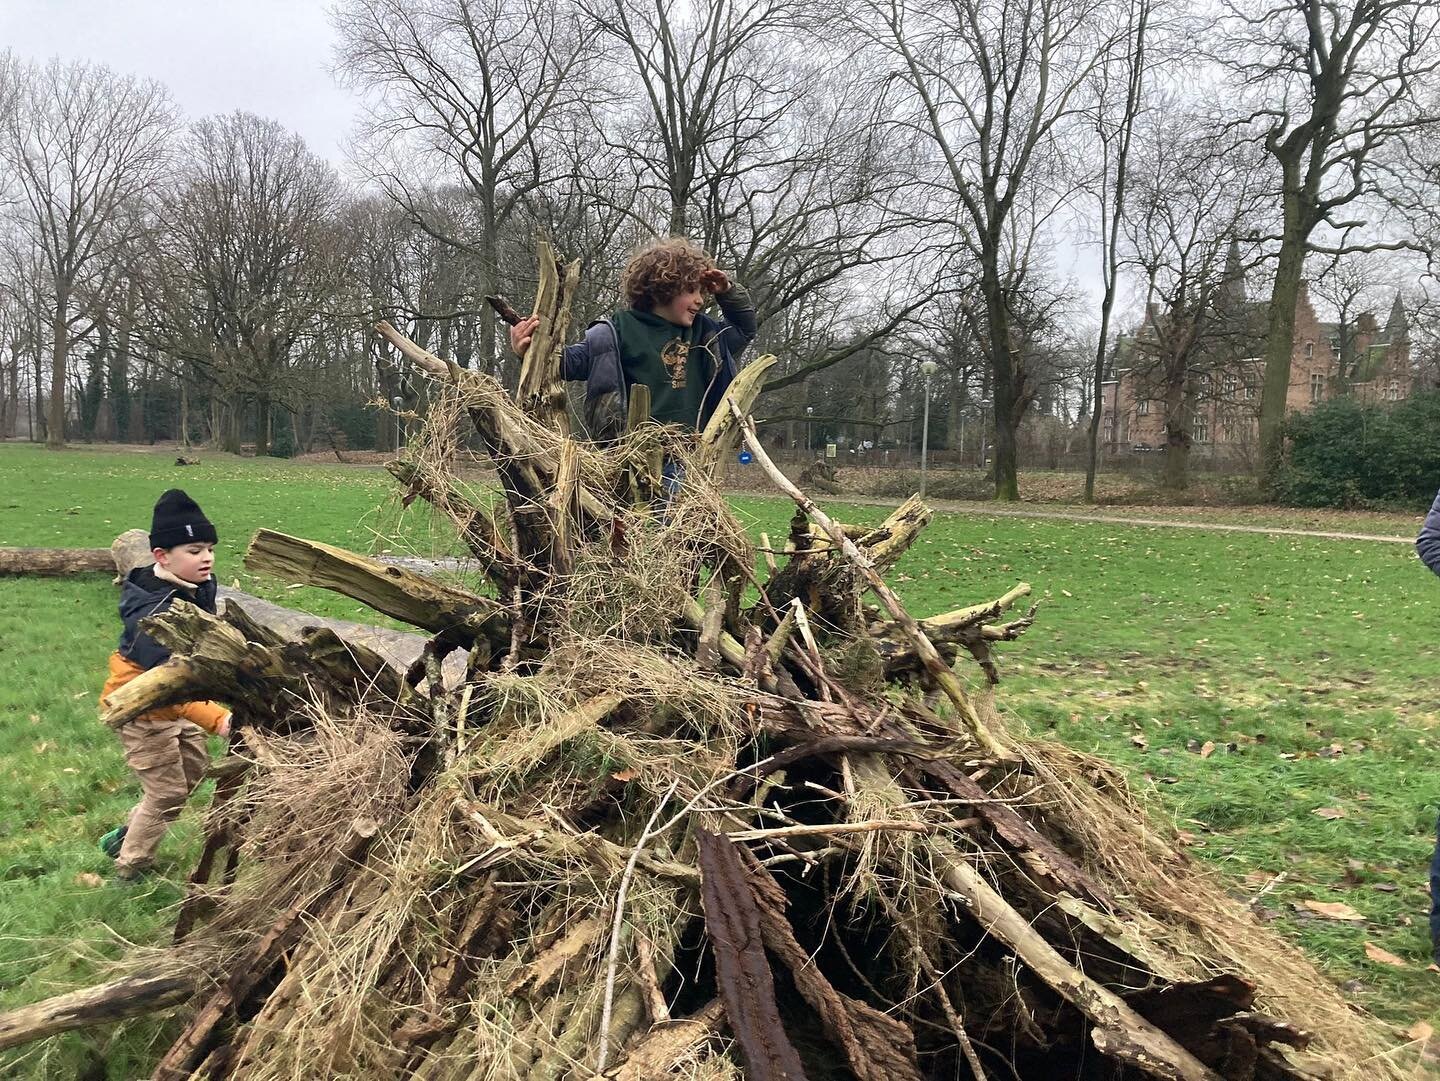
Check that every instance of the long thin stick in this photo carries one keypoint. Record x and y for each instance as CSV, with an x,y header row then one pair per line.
x,y
618,925
833,829
924,648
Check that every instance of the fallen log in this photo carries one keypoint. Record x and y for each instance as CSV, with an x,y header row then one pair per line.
x,y
54,562
103,1004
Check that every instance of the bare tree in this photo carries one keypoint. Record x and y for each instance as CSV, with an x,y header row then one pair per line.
x,y
1335,86
746,131
1354,287
1118,100
247,263
82,143
483,93
989,84
1195,195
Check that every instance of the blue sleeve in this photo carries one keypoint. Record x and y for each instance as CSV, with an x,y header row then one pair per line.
x,y
575,362
739,326
1427,545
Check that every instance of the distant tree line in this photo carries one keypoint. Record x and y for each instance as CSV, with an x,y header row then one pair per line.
x,y
897,183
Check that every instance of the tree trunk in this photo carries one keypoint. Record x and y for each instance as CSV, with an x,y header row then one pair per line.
x,y
262,424
1179,408
1280,343
94,390
1008,406
59,360
184,409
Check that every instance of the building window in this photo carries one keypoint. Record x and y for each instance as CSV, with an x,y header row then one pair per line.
x,y
1109,427
1232,384
1142,407
1249,390
1317,386
1200,429
1309,350
1392,392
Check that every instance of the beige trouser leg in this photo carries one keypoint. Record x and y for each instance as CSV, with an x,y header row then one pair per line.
x,y
170,758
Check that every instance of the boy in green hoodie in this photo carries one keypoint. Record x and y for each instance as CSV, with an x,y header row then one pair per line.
x,y
663,339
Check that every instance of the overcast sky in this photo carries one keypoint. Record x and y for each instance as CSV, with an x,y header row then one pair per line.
x,y
269,57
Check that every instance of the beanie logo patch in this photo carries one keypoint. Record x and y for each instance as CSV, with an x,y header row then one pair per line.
x,y
189,530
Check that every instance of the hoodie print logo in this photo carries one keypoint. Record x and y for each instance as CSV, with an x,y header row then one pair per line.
x,y
675,357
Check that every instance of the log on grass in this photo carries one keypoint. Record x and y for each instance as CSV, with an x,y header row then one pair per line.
x,y
54,562
103,1004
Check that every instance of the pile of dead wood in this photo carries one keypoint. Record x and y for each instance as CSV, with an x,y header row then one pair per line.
x,y
671,811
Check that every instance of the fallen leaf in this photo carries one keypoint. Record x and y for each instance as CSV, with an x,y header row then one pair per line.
x,y
1385,957
1335,910
1188,839
1258,879
1208,749
89,879
1384,887
625,775
1330,812
1432,968
1140,741
82,694
1420,1030
42,746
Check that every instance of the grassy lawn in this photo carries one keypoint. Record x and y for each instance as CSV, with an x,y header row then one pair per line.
x,y
1312,666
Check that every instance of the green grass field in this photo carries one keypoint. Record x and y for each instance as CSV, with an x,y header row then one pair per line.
x,y
1312,666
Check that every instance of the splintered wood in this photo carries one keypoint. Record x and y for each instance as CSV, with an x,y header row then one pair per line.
x,y
681,812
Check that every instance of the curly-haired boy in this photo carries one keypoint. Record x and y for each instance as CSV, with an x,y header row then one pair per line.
x,y
663,340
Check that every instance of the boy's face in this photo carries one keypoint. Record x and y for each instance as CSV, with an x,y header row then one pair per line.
x,y
188,562
683,309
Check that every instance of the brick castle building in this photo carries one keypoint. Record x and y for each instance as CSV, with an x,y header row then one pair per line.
x,y
1362,359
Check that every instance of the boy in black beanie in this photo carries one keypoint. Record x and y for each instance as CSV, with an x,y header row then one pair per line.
x,y
165,747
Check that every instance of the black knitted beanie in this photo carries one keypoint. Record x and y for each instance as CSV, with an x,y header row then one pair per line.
x,y
179,520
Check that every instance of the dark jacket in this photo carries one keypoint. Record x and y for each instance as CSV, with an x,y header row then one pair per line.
x,y
596,360
1427,545
143,594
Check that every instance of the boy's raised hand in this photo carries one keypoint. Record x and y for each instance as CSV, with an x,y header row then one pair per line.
x,y
715,281
521,333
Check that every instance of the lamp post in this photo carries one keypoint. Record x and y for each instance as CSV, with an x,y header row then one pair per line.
x,y
928,367
809,437
984,408
399,403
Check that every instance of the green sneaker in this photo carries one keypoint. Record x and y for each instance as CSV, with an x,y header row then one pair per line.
x,y
111,842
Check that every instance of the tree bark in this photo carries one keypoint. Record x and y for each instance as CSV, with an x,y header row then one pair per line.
x,y
399,593
59,361
1280,342
106,1003
54,562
